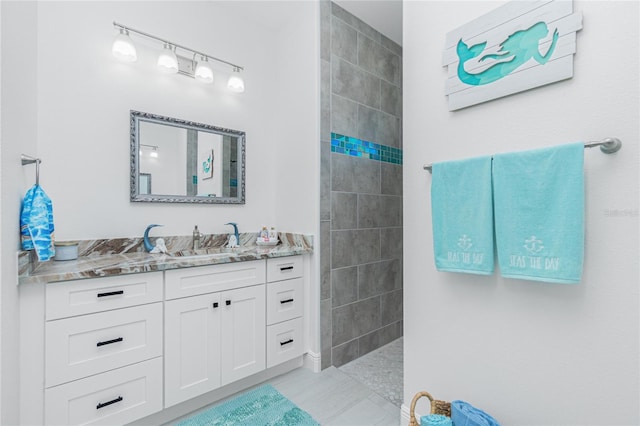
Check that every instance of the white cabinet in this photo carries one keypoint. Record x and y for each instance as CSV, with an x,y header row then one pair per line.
x,y
103,350
212,340
285,304
116,349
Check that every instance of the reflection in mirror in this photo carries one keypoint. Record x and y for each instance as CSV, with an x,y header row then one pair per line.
x,y
187,162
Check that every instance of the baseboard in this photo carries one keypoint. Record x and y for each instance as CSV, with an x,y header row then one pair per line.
x,y
405,415
312,361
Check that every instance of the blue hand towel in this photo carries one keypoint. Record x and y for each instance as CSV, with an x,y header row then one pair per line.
x,y
539,213
462,216
465,414
435,420
36,223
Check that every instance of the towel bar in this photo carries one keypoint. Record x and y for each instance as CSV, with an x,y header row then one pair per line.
x,y
26,159
607,146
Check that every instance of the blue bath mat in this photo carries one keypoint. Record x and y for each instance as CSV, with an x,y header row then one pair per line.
x,y
263,406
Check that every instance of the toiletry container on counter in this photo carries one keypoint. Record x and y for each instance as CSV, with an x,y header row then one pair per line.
x,y
66,250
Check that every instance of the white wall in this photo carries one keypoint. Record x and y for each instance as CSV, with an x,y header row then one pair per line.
x,y
528,352
67,101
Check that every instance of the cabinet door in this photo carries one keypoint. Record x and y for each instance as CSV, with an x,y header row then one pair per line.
x,y
243,333
192,352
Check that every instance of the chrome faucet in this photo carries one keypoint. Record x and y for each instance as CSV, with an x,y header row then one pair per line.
x,y
196,238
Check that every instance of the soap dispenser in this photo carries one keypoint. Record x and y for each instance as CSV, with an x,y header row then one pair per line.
x,y
196,238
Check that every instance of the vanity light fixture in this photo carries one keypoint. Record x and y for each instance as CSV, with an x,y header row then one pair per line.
x,y
123,48
171,62
236,83
167,60
154,150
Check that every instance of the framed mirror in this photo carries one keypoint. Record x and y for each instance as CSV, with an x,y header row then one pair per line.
x,y
187,162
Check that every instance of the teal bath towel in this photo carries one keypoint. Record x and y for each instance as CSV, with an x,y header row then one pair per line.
x,y
539,213
462,216
36,223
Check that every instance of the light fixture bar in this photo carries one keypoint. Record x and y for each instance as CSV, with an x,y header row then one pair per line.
x,y
142,33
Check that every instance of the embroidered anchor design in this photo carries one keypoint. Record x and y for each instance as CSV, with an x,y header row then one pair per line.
x,y
533,245
464,242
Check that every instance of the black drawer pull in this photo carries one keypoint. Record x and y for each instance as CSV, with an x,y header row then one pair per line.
x,y
228,302
111,293
106,404
286,342
215,304
108,342
286,301
286,268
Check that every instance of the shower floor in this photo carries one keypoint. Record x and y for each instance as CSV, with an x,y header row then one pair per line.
x,y
381,371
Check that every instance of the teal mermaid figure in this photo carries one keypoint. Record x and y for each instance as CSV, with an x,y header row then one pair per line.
x,y
516,50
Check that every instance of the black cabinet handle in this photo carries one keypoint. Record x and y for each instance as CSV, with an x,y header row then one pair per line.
x,y
286,301
108,342
286,342
215,304
228,302
286,268
111,293
106,404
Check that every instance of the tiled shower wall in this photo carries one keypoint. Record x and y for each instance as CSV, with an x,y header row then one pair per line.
x,y
361,194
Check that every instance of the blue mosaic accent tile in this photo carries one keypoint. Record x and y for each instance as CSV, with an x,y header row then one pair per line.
x,y
358,148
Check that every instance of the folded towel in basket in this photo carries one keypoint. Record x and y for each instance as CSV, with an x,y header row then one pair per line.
x,y
36,223
539,212
462,216
435,420
465,414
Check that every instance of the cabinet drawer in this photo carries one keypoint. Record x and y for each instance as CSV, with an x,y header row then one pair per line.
x,y
101,294
81,346
208,279
284,268
117,397
284,341
284,300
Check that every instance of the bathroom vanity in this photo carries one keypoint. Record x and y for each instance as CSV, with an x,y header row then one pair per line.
x,y
122,347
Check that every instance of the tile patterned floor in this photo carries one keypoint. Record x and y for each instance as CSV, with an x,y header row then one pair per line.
x,y
380,371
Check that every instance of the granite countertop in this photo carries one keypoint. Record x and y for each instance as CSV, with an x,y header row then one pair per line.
x,y
104,258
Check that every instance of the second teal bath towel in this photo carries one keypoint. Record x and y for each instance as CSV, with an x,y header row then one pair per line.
x,y
462,216
539,213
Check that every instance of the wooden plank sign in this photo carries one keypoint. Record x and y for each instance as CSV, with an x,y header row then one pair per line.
x,y
516,47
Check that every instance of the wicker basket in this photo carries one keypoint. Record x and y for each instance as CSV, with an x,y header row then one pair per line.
x,y
437,407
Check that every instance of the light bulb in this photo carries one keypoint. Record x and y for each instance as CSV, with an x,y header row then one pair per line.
x,y
167,60
236,83
154,153
203,72
123,48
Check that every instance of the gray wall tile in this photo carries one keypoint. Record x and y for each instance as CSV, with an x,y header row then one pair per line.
x,y
344,41
325,30
391,243
325,181
376,211
353,320
325,362
376,126
352,174
355,22
325,101
391,307
380,337
325,324
344,353
351,82
344,210
390,98
377,60
391,45
325,260
378,278
344,286
391,179
344,116
350,248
